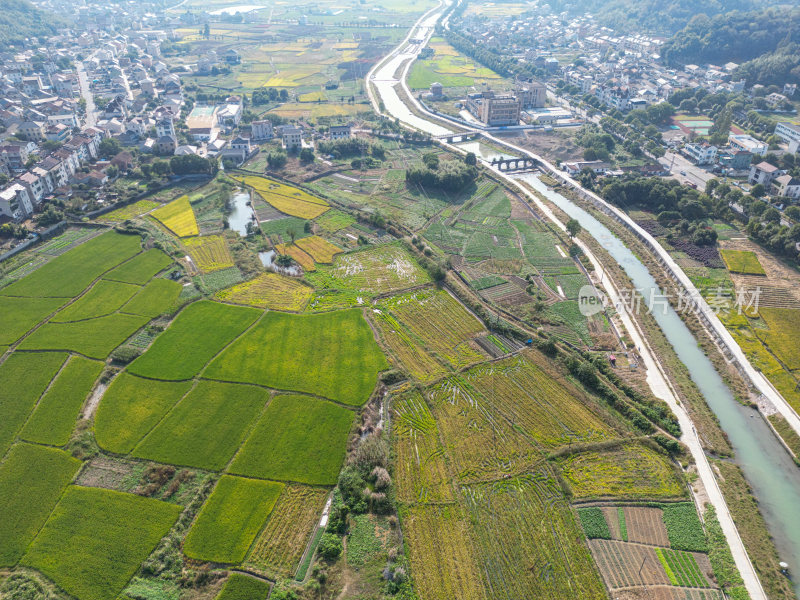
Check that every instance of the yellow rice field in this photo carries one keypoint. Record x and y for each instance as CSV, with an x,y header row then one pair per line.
x,y
129,212
178,217
321,250
269,290
209,253
299,255
285,198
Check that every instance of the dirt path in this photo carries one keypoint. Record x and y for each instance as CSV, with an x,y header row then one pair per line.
x,y
347,577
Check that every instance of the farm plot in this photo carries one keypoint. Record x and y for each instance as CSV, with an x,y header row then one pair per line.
x,y
131,407
321,250
104,298
621,564
209,252
23,378
332,354
420,468
528,541
404,349
285,226
299,439
335,220
64,242
69,274
480,442
681,568
156,298
280,545
684,530
376,270
54,418
95,540
298,255
19,315
646,526
206,427
594,523
781,338
287,199
31,481
141,268
239,586
131,211
744,262
628,471
440,323
230,519
178,217
441,551
189,343
95,338
269,290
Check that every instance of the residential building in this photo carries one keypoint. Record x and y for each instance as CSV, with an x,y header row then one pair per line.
x,y
338,132
575,167
15,202
763,173
735,160
786,186
531,95
436,90
165,127
16,154
165,145
292,137
701,154
261,130
32,131
790,133
36,186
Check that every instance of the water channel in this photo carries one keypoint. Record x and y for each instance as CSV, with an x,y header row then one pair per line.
x,y
772,474
241,213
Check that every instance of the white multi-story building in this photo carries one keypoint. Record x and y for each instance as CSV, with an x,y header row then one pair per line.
x,y
790,133
702,154
292,137
763,173
15,202
261,130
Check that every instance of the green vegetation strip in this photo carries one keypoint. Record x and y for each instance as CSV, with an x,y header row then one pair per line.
x,y
190,342
142,268
239,586
95,338
131,407
331,354
69,274
24,376
594,523
54,418
95,540
205,428
297,439
32,479
722,563
104,298
19,315
231,518
623,525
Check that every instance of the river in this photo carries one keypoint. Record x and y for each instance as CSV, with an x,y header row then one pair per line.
x,y
769,469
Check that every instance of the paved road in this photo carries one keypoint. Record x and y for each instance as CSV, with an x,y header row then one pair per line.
x,y
656,378
678,164
83,84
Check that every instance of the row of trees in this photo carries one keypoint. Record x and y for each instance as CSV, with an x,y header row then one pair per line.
x,y
447,175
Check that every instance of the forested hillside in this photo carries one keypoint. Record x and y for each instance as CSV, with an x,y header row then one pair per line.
x,y
20,19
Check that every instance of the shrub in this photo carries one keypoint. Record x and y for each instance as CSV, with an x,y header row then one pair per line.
x,y
330,546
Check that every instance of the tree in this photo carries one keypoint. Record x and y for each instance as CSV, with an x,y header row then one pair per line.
x,y
206,31
758,191
471,159
431,160
109,147
292,234
573,227
283,95
276,160
330,546
306,155
771,215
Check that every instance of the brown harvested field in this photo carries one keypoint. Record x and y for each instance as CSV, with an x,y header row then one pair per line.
x,y
280,545
619,564
646,526
610,513
667,593
782,286
105,472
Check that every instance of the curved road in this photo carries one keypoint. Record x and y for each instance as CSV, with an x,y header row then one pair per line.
x,y
383,77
